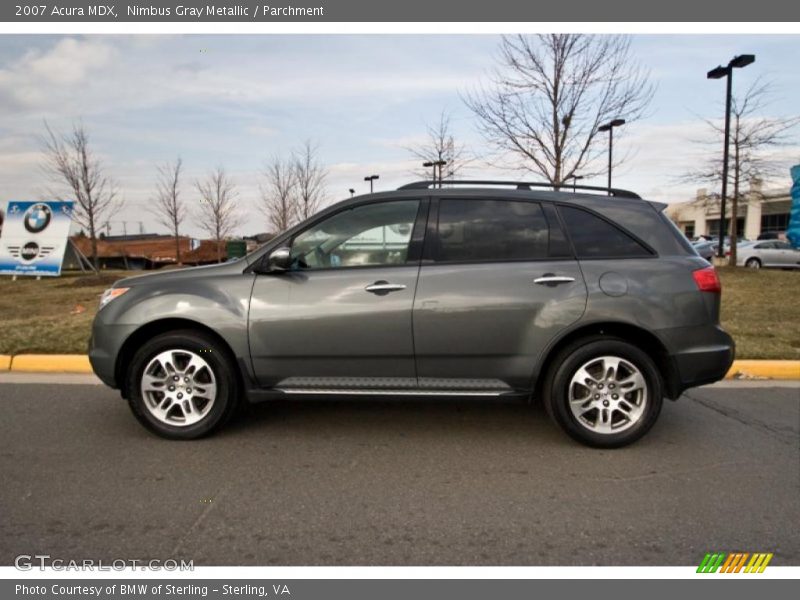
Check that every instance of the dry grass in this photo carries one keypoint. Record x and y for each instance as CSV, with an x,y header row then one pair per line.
x,y
761,309
51,316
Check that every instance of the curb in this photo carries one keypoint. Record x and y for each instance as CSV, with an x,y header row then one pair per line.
x,y
764,369
50,363
79,363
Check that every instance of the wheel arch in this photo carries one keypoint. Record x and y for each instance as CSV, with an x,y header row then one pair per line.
x,y
159,326
633,334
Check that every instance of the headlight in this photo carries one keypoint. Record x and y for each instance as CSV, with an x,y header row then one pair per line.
x,y
110,294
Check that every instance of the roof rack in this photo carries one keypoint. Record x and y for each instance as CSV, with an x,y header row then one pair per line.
x,y
523,185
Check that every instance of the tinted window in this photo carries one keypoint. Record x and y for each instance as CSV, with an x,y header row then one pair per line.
x,y
474,230
594,237
783,246
374,234
765,246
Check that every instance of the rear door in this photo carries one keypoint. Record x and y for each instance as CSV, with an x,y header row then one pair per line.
x,y
789,257
497,283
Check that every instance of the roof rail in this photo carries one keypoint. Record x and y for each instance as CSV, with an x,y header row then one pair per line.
x,y
523,185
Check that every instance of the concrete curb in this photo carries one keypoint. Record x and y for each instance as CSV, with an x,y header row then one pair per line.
x,y
79,363
50,363
764,369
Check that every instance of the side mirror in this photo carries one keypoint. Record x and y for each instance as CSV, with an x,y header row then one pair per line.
x,y
278,261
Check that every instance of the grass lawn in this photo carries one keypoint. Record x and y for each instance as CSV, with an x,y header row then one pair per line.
x,y
760,309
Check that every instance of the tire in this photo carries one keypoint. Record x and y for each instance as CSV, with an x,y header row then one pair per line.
x,y
753,263
627,415
196,359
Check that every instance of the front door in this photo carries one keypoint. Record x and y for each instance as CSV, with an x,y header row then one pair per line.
x,y
498,282
340,318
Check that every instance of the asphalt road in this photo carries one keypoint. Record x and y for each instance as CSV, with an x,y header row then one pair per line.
x,y
398,483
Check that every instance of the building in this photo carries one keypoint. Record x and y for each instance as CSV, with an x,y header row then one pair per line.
x,y
759,211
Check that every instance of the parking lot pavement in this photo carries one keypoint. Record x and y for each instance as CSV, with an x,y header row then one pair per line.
x,y
398,483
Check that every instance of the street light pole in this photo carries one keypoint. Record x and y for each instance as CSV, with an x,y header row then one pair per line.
x,y
718,73
575,182
352,192
440,163
371,178
609,127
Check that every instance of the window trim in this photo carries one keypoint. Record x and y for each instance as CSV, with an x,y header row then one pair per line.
x,y
651,253
432,234
413,242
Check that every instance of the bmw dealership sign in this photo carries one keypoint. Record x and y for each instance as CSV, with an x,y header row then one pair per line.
x,y
34,237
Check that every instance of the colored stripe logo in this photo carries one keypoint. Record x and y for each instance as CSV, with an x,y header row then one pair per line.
x,y
734,562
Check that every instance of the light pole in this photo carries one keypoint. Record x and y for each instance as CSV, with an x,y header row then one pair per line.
x,y
575,181
371,178
439,163
435,163
428,164
352,192
718,73
609,127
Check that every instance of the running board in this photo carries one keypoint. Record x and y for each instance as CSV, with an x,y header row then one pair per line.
x,y
384,392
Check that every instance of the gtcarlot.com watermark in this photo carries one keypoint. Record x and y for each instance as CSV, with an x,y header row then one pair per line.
x,y
28,562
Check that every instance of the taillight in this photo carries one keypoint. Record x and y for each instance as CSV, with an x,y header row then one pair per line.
x,y
707,280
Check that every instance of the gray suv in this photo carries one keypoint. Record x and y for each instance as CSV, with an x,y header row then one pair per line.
x,y
592,302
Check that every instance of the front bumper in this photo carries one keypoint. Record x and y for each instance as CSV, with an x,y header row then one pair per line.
x,y
104,348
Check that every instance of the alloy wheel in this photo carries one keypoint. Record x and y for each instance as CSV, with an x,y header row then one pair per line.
x,y
608,395
178,387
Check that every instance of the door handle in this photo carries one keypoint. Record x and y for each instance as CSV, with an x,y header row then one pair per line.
x,y
550,279
384,287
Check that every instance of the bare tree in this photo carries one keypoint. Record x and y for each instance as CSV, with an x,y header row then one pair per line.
x,y
217,211
309,176
439,145
278,194
549,95
752,138
74,169
169,207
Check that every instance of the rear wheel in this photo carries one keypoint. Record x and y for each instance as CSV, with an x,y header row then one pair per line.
x,y
753,263
604,392
182,385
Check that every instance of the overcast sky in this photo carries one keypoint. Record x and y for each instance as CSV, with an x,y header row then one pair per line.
x,y
234,101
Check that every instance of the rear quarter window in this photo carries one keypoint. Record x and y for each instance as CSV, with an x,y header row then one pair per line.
x,y
594,237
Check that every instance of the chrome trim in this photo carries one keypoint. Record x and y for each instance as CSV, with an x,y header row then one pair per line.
x,y
553,279
385,287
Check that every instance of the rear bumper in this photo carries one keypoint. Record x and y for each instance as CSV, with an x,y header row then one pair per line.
x,y
699,355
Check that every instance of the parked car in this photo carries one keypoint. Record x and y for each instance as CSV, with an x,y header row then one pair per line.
x,y
705,249
769,253
593,303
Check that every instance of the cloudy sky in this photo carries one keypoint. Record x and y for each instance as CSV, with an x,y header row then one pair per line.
x,y
235,101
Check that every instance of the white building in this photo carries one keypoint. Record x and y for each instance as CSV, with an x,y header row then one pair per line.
x,y
760,211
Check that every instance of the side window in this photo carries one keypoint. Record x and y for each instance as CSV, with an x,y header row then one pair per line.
x,y
490,230
593,237
765,246
374,234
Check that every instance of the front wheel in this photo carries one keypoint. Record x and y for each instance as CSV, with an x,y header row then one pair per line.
x,y
604,392
182,385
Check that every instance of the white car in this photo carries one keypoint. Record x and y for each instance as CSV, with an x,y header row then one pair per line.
x,y
768,253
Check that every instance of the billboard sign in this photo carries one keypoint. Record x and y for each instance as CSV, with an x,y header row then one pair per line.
x,y
34,237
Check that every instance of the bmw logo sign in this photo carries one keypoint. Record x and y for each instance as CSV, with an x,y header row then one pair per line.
x,y
37,218
30,251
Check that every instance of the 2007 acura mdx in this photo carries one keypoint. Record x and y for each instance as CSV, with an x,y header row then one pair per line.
x,y
592,302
